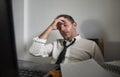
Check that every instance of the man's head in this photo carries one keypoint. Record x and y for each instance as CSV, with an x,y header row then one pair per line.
x,y
67,26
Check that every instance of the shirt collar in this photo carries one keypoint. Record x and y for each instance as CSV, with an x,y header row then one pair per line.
x,y
77,37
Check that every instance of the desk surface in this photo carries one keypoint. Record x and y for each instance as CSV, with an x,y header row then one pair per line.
x,y
46,67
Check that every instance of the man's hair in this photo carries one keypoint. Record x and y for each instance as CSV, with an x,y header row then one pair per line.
x,y
70,18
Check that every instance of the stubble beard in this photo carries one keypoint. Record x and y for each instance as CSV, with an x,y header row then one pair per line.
x,y
68,36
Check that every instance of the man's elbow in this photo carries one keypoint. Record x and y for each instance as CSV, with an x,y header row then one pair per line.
x,y
37,53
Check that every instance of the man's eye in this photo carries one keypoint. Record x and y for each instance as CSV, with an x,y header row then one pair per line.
x,y
58,27
65,25
59,24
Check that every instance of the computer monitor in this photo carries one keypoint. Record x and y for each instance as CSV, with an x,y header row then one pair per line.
x,y
8,64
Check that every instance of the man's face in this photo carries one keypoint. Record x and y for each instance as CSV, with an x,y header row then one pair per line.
x,y
66,28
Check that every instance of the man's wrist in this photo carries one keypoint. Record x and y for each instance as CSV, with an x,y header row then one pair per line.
x,y
46,33
49,29
37,39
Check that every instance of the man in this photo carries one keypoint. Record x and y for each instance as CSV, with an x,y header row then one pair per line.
x,y
76,48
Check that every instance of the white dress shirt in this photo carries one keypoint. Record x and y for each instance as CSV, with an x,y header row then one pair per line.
x,y
82,49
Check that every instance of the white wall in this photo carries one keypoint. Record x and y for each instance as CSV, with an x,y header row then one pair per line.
x,y
18,13
95,18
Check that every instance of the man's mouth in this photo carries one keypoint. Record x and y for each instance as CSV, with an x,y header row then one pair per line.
x,y
65,33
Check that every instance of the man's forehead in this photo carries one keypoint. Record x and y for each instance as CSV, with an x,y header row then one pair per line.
x,y
64,19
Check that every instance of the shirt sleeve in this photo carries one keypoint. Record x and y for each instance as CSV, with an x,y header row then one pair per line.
x,y
40,47
97,53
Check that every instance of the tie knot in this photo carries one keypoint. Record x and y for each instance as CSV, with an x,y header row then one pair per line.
x,y
64,43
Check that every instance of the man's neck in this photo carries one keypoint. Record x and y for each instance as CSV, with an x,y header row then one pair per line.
x,y
71,39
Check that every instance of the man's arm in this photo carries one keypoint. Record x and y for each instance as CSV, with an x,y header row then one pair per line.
x,y
46,33
51,27
39,46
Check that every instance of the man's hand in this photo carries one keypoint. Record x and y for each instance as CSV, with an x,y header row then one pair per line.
x,y
56,24
55,73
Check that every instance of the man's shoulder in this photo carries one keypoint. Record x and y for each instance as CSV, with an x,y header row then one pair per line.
x,y
85,41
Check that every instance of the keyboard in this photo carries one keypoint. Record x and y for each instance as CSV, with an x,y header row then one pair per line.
x,y
30,73
111,68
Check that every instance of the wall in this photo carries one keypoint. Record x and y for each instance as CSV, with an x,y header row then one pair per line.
x,y
95,18
18,15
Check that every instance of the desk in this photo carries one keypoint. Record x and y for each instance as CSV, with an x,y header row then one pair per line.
x,y
46,67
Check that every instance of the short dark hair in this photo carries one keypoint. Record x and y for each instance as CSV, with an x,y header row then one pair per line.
x,y
70,18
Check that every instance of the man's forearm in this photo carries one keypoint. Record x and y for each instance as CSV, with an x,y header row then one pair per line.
x,y
45,34
51,27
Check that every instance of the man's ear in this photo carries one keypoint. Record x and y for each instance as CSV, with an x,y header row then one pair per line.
x,y
74,25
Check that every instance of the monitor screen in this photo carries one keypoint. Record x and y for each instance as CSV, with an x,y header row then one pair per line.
x,y
8,64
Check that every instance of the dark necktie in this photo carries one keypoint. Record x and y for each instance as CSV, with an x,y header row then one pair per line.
x,y
62,54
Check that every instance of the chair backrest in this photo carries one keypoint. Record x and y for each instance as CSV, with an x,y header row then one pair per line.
x,y
100,43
